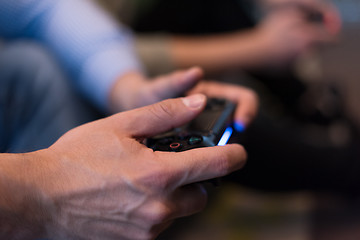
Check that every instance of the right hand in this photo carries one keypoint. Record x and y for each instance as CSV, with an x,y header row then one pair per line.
x,y
285,33
103,183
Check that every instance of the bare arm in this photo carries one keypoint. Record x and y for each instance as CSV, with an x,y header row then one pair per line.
x,y
280,37
218,52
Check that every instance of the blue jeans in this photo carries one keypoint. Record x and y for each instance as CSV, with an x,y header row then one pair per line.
x,y
38,103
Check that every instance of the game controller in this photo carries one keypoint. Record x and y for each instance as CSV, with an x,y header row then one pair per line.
x,y
211,127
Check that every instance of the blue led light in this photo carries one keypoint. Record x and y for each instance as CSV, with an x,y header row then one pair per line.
x,y
226,136
239,126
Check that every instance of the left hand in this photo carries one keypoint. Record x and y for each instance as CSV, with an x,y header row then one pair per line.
x,y
133,91
99,182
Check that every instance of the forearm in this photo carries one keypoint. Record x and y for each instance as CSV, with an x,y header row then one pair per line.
x,y
22,205
216,53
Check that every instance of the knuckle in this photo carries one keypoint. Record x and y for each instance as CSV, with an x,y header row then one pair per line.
x,y
156,177
163,110
158,214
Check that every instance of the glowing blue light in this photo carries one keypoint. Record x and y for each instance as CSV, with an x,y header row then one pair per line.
x,y
239,126
226,136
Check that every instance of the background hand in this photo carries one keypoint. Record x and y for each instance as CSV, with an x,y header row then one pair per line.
x,y
245,98
134,90
286,31
146,92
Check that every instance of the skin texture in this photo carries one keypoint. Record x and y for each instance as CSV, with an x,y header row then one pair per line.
x,y
99,181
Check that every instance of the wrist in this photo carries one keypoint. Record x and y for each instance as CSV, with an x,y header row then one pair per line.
x,y
25,208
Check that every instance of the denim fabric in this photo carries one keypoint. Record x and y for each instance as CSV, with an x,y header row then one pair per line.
x,y
37,102
93,48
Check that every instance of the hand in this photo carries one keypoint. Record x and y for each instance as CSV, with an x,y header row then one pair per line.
x,y
286,32
99,181
134,90
331,16
246,100
145,92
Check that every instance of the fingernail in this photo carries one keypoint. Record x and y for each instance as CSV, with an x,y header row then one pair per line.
x,y
194,101
239,126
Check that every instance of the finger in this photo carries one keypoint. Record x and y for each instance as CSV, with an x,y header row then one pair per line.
x,y
202,164
245,98
332,20
184,201
157,229
175,84
188,200
247,107
180,202
160,117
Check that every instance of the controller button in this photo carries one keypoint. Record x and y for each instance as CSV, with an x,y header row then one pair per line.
x,y
175,146
193,140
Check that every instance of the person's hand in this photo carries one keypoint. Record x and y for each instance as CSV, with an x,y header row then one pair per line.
x,y
99,181
331,19
286,32
143,92
134,90
245,98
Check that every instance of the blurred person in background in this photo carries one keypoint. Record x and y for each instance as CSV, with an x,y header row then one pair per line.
x,y
269,33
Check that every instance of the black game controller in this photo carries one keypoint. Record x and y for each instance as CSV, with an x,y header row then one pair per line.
x,y
212,127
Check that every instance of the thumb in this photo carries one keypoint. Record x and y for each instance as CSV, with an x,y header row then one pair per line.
x,y
161,117
174,84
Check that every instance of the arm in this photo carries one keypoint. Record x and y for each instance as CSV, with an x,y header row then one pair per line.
x,y
94,50
98,180
218,52
97,52
280,37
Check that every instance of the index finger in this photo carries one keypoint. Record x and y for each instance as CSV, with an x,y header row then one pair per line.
x,y
202,164
245,98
